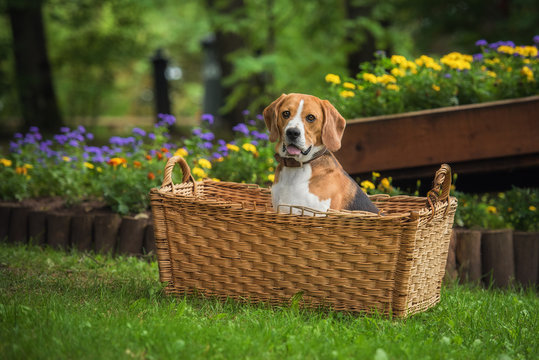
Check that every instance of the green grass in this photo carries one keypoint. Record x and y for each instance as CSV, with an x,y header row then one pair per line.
x,y
55,305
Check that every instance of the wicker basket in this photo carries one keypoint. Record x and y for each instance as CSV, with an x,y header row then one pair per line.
x,y
224,239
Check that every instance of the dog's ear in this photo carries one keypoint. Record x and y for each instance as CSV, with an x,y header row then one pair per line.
x,y
270,118
333,127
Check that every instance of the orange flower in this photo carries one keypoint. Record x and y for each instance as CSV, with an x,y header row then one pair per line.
x,y
159,155
137,164
148,157
165,150
21,170
151,175
117,161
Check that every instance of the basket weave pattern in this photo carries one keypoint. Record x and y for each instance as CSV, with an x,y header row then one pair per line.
x,y
223,239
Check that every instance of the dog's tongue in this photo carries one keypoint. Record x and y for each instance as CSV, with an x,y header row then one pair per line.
x,y
292,150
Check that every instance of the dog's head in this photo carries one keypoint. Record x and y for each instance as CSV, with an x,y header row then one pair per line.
x,y
302,125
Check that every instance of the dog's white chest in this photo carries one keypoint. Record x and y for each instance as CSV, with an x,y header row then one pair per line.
x,y
293,189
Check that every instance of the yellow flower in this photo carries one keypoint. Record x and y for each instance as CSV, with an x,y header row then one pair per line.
x,y
348,85
370,78
393,87
347,94
435,87
491,74
506,49
375,174
366,184
428,62
205,164
398,72
89,165
216,180
532,208
5,162
181,152
528,73
271,177
199,172
385,183
457,61
332,78
66,158
232,147
529,51
491,209
249,147
386,79
398,59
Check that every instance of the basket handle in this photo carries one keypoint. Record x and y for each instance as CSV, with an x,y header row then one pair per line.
x,y
441,187
186,171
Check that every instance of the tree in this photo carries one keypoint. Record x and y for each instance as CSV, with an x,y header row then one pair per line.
x,y
39,106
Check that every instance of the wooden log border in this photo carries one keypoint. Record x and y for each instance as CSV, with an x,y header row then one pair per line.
x,y
97,232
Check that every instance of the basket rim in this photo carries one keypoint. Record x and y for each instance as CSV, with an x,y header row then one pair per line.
x,y
169,191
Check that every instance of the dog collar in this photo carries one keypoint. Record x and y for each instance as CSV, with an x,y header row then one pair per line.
x,y
291,162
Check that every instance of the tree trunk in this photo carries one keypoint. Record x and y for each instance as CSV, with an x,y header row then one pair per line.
x,y
361,50
32,68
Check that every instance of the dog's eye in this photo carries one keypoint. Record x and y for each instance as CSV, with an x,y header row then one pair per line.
x,y
311,118
286,114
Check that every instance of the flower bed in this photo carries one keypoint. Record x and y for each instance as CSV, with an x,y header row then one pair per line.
x,y
122,172
392,85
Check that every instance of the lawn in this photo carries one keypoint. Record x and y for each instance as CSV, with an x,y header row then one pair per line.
x,y
55,305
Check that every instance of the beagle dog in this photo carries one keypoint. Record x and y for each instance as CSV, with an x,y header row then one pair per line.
x,y
307,130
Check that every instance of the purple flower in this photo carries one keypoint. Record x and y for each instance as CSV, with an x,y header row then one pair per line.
x,y
74,143
497,44
209,118
447,76
151,136
481,42
64,129
166,120
242,128
259,136
216,155
536,39
81,129
89,136
139,132
245,112
207,145
197,131
18,136
251,122
260,117
221,142
60,139
207,136
478,57
34,129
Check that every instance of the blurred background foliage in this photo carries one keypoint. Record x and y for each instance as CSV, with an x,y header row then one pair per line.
x,y
100,50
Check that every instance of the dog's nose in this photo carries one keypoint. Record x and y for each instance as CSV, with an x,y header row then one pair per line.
x,y
293,133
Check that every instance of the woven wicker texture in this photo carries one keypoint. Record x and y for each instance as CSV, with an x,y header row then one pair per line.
x,y
225,240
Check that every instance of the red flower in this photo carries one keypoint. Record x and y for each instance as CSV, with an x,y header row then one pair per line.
x,y
165,150
151,176
148,157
